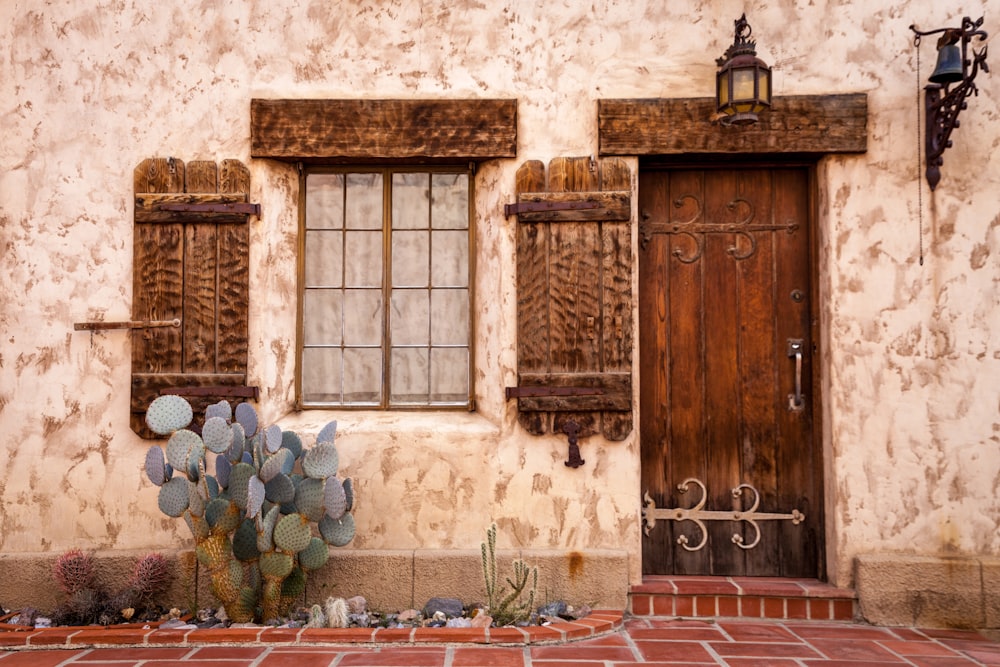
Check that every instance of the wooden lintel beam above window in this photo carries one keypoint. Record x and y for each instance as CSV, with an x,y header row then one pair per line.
x,y
321,129
815,124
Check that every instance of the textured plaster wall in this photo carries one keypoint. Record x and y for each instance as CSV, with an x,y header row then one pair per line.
x,y
911,353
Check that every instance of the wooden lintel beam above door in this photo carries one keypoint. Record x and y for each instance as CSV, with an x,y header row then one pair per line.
x,y
815,124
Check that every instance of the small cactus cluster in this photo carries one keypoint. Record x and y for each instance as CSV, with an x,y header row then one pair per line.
x,y
253,519
87,601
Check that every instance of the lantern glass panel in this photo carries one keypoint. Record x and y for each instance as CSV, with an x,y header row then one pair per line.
x,y
743,84
723,86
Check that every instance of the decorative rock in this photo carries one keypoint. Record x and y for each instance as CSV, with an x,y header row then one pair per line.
x,y
552,609
357,605
407,616
481,621
458,623
451,607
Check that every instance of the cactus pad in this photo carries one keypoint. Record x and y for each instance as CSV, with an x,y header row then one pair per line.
x,y
282,462
327,433
265,533
196,501
292,533
321,461
198,525
245,541
222,470
247,418
276,565
179,448
272,438
291,441
309,498
280,490
239,481
337,532
255,496
349,493
173,497
216,434
156,466
315,555
334,498
168,413
221,409
235,451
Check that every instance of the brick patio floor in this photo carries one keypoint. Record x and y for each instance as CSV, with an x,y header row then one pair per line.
x,y
634,641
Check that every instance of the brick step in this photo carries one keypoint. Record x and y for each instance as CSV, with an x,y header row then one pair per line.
x,y
741,597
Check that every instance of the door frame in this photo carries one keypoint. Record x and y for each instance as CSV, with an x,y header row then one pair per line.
x,y
808,162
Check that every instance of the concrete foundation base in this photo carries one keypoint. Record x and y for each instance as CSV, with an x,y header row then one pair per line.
x,y
929,592
390,580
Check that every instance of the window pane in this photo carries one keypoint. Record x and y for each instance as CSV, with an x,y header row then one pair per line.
x,y
362,375
321,372
449,375
410,259
325,201
450,201
363,255
450,317
451,259
409,375
364,201
324,257
322,322
410,198
409,317
363,317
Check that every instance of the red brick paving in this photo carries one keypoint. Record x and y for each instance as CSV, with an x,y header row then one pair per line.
x,y
618,642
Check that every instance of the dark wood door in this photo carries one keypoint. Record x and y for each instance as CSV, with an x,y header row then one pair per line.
x,y
725,328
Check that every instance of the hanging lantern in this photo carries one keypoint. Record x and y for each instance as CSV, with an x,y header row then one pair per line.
x,y
743,82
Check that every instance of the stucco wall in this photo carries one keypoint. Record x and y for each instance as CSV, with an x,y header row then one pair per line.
x,y
911,353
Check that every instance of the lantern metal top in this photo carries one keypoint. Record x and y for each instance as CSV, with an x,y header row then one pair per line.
x,y
743,82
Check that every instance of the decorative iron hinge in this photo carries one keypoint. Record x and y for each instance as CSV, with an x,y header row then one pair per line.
x,y
235,207
225,390
532,392
536,206
698,515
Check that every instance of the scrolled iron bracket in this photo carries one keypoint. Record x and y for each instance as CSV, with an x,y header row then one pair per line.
x,y
698,515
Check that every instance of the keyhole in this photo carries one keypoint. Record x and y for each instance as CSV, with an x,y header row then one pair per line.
x,y
798,296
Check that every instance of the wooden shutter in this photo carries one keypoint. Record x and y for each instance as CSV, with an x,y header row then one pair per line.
x,y
574,296
190,264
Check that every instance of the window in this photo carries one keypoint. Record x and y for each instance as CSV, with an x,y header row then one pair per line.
x,y
385,288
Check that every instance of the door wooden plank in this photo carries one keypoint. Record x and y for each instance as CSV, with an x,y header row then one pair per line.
x,y
721,308
688,444
801,481
758,353
654,364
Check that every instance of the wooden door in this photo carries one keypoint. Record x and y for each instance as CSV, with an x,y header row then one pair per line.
x,y
725,327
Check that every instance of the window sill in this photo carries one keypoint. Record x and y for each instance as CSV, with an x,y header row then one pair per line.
x,y
442,422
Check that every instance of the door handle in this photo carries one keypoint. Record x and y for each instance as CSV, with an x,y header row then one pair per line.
x,y
796,402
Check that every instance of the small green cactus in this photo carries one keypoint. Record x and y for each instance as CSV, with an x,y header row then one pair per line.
x,y
253,518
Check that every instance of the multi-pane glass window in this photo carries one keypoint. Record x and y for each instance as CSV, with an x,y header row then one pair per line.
x,y
385,288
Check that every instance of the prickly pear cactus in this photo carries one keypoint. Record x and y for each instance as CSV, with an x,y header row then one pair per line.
x,y
263,508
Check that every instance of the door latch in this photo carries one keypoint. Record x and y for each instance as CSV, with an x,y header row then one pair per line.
x,y
796,402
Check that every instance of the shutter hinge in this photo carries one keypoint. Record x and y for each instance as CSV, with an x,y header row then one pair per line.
x,y
237,207
527,392
536,206
227,391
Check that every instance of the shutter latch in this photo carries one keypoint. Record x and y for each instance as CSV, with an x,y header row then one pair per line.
x,y
572,430
131,324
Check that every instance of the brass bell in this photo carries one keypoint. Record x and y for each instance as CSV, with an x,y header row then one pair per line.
x,y
949,65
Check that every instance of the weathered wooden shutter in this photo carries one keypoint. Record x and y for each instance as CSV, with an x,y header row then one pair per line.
x,y
574,297
190,264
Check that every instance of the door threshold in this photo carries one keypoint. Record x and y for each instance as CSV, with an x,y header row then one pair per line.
x,y
689,596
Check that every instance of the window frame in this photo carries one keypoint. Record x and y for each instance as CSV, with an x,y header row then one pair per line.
x,y
386,170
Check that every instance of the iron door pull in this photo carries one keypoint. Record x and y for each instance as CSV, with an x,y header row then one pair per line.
x,y
796,402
